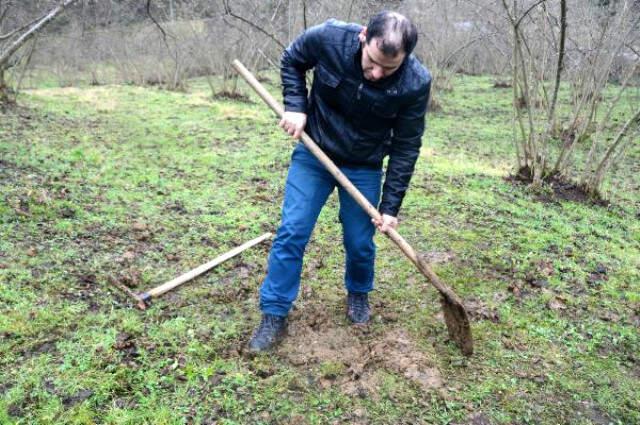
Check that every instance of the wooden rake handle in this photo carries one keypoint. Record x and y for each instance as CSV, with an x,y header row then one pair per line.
x,y
404,246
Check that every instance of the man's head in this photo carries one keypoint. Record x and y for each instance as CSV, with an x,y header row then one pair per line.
x,y
386,41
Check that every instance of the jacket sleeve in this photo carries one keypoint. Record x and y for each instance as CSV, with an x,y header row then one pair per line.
x,y
405,149
299,57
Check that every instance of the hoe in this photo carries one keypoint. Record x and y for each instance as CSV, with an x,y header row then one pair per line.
x,y
144,298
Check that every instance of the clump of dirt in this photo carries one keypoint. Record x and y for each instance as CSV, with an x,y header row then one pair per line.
x,y
126,345
479,310
501,84
316,341
44,347
175,206
593,413
130,277
76,398
476,418
570,191
349,357
438,257
232,95
237,284
399,352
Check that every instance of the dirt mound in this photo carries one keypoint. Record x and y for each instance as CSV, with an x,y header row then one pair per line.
x,y
399,353
351,357
562,188
232,95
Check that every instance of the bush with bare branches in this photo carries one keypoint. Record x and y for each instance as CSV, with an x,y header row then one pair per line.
x,y
574,43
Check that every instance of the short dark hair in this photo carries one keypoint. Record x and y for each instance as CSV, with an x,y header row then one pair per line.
x,y
395,31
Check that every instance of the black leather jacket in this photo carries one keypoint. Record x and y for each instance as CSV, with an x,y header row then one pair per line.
x,y
357,122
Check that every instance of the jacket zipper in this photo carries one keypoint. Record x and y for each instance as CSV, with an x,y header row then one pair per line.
x,y
359,91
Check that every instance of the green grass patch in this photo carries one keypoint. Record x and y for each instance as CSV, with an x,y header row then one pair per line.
x,y
139,185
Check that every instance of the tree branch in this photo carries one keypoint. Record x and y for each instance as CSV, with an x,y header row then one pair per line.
x,y
4,12
605,163
174,57
20,29
350,10
157,24
628,46
469,43
559,67
524,15
4,56
304,14
228,11
24,68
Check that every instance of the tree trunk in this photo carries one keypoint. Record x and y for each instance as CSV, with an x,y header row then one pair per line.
x,y
560,64
4,90
594,184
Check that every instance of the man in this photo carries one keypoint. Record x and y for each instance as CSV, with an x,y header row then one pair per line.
x,y
368,100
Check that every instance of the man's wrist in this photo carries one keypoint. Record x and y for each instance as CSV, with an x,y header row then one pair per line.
x,y
302,109
388,211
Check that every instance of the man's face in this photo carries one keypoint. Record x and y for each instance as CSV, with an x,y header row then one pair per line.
x,y
375,64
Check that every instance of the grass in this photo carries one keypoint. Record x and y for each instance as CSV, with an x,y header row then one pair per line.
x,y
138,185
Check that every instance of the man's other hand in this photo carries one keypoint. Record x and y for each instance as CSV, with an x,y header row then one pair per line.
x,y
293,123
387,222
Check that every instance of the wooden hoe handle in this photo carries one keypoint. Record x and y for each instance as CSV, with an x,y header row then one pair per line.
x,y
346,183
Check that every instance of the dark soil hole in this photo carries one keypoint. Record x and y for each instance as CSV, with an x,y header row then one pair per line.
x,y
563,188
4,388
7,99
76,398
175,206
15,410
45,347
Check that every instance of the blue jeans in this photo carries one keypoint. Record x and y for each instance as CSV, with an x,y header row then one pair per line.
x,y
308,186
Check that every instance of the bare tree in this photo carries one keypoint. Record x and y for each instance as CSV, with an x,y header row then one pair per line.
x,y
528,75
546,54
599,85
14,39
555,47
